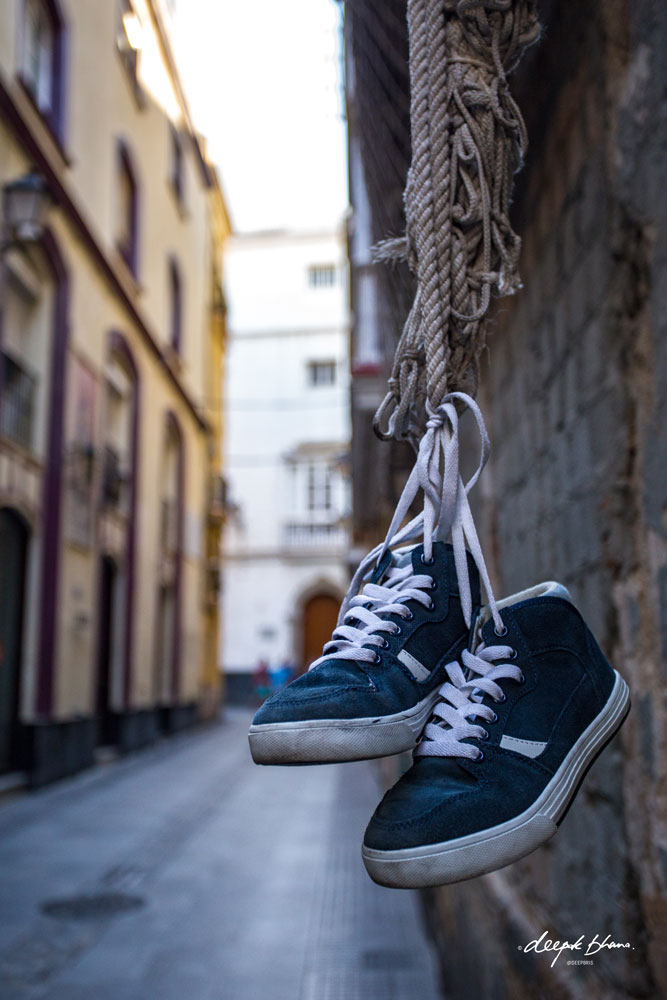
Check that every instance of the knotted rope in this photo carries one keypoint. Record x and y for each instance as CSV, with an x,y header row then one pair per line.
x,y
468,140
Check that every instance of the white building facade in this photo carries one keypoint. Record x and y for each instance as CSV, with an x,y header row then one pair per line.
x,y
286,451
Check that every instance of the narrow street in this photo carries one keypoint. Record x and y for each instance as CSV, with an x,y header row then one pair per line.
x,y
188,873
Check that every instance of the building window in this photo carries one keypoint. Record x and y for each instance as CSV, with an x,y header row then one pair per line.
x,y
18,402
128,37
319,494
176,176
118,435
171,502
175,305
112,477
42,59
127,196
321,373
322,275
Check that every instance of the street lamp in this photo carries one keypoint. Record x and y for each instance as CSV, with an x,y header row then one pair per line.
x,y
25,203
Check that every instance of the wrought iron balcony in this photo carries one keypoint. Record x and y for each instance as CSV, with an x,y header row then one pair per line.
x,y
314,535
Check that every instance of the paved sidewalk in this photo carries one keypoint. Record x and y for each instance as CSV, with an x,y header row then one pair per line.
x,y
241,882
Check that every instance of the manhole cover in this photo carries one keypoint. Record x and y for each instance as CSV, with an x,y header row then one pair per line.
x,y
387,959
95,907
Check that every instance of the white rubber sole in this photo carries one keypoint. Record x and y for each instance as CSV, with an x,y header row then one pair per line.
x,y
488,850
329,741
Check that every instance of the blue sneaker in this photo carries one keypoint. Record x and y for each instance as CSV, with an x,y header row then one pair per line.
x,y
518,726
406,615
374,688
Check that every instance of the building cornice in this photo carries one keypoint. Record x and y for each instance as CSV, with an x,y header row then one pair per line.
x,y
305,554
306,331
208,171
278,236
36,152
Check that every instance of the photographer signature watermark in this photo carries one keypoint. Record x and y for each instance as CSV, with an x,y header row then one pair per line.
x,y
593,946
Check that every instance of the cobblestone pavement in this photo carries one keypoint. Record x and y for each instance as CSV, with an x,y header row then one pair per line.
x,y
188,873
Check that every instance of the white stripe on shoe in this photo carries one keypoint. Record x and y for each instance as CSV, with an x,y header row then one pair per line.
x,y
416,668
529,748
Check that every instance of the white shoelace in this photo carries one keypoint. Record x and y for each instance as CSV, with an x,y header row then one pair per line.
x,y
400,584
446,512
454,718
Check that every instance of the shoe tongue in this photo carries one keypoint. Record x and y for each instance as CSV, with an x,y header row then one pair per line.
x,y
508,607
404,558
381,568
392,560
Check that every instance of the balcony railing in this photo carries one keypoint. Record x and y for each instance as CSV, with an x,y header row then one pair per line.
x,y
306,535
113,478
18,403
218,501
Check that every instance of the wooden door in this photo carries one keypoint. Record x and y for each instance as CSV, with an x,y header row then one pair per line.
x,y
319,620
106,651
13,551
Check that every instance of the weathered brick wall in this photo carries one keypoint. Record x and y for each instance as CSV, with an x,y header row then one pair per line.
x,y
575,391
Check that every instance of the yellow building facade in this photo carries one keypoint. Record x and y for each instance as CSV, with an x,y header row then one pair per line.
x,y
111,347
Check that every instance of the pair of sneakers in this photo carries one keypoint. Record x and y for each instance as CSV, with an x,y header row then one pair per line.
x,y
505,706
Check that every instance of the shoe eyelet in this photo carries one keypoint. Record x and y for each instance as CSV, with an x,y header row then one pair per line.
x,y
484,735
514,655
378,658
434,584
502,633
480,756
410,615
430,606
427,562
397,630
522,679
494,719
385,643
501,701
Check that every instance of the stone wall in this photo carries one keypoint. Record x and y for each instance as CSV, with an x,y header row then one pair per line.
x,y
575,393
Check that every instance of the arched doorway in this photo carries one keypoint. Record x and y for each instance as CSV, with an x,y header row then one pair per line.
x,y
14,537
120,492
320,614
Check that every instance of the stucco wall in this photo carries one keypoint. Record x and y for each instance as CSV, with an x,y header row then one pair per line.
x,y
103,107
